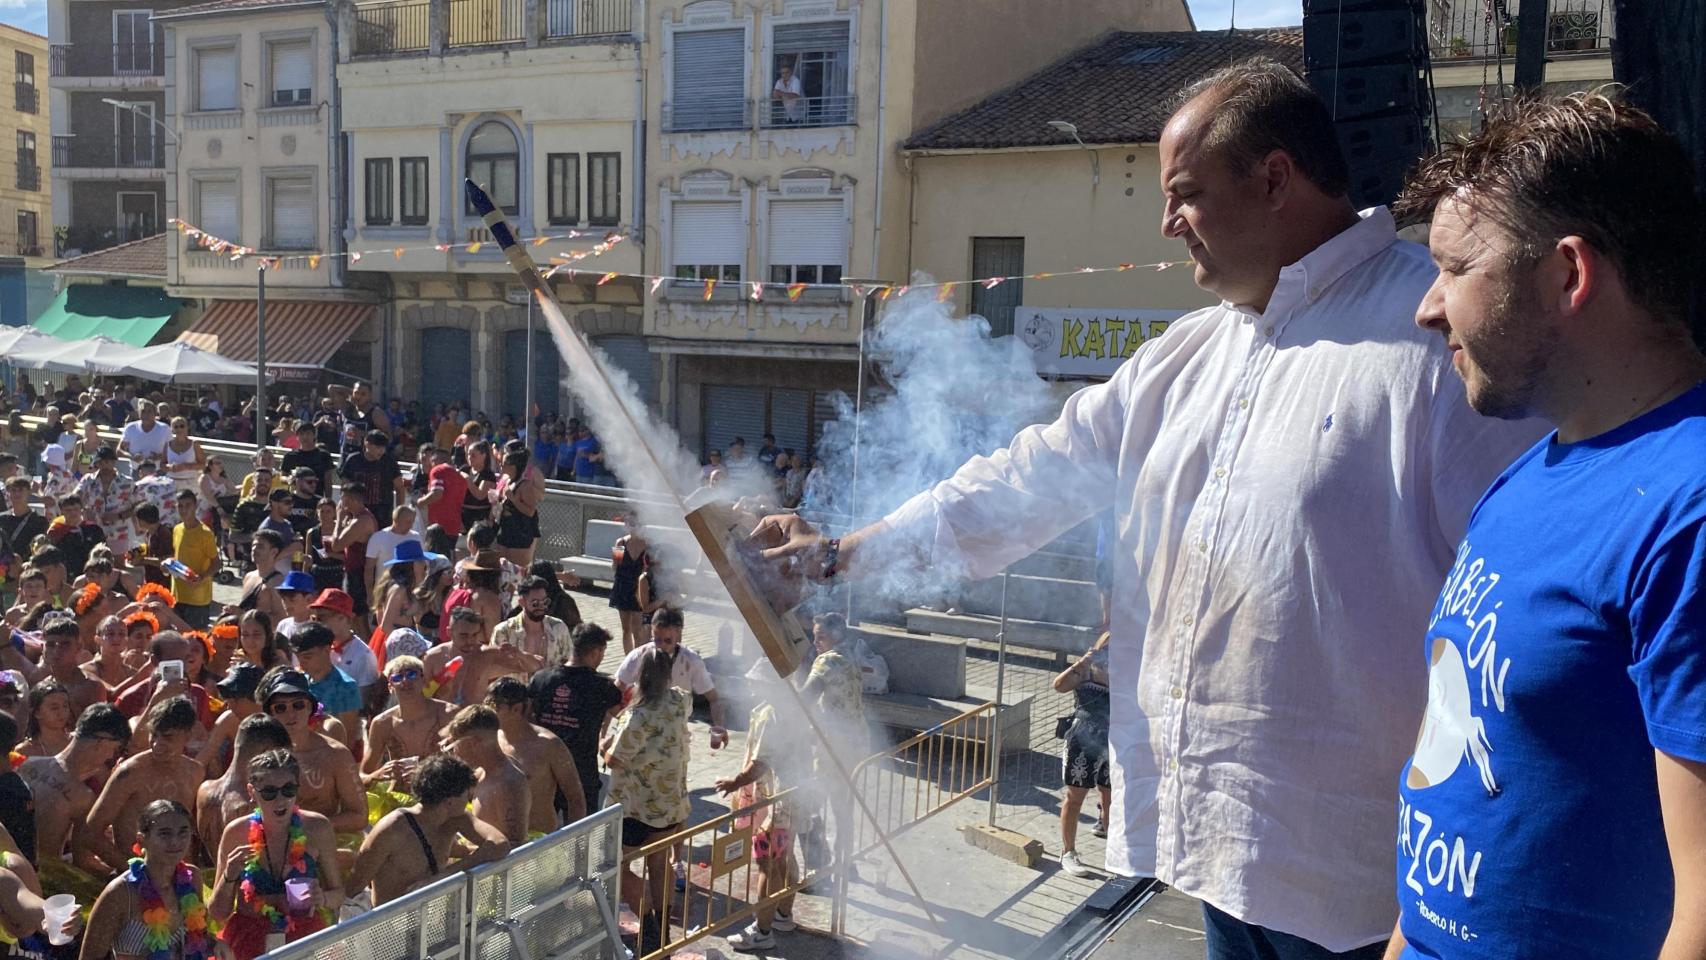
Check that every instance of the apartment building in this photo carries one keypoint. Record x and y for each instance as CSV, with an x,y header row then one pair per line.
x,y
540,102
773,158
25,185
1473,47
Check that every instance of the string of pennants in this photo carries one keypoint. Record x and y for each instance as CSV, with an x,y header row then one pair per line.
x,y
563,263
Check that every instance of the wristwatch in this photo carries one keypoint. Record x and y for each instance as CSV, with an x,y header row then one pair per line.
x,y
831,557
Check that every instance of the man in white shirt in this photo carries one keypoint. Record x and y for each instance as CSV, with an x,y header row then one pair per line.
x,y
1289,473
790,93
689,672
145,437
382,545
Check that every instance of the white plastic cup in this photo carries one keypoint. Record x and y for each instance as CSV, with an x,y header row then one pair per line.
x,y
298,894
57,911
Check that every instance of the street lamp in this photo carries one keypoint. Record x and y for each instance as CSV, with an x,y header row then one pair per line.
x,y
1071,130
149,116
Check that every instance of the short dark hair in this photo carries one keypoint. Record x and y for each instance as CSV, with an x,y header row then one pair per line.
x,y
48,556
170,716
70,500
466,613
1262,105
506,692
833,622
281,759
8,732
531,584
441,778
377,438
474,718
103,720
159,809
272,537
668,617
481,535
587,637
61,626
1589,165
354,488
148,513
186,495
310,636
262,731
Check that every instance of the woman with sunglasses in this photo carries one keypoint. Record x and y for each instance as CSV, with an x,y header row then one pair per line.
x,y
184,456
153,909
278,867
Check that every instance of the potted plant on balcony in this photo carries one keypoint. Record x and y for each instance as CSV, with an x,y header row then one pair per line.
x,y
1459,48
1509,38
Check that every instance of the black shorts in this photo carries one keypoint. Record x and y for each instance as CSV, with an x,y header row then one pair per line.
x,y
517,530
1086,762
638,833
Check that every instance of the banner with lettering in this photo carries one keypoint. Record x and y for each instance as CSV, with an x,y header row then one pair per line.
x,y
1085,341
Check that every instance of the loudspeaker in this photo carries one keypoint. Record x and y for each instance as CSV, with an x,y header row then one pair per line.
x,y
1368,59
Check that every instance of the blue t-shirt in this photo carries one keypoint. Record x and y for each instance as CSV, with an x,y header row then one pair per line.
x,y
586,468
1569,641
337,692
545,457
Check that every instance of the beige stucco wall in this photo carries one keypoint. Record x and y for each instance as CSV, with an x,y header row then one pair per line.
x,y
252,142
1047,197
969,49
13,200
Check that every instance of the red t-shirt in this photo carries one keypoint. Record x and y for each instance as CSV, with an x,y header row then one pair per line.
x,y
136,700
446,511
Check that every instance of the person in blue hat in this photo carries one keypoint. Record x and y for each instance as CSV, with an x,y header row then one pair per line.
x,y
297,590
401,598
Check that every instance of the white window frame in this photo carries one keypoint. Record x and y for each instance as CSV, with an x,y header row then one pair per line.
x,y
703,185
270,41
212,45
135,111
706,15
134,71
200,177
811,11
807,184
269,178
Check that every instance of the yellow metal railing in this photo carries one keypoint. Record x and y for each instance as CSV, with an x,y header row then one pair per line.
x,y
919,778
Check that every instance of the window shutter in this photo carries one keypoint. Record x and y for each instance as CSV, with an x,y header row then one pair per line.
x,y
630,355
819,37
709,79
216,79
707,232
790,418
733,411
292,73
219,208
998,257
292,214
808,231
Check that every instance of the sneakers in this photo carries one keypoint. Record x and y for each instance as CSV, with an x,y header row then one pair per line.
x,y
783,922
1099,830
1071,864
752,940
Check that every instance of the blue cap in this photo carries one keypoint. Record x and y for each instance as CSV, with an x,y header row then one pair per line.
x,y
297,582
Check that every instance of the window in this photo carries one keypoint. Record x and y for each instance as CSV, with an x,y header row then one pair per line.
x,y
25,98
808,241
494,163
133,135
216,208
29,174
413,195
563,188
378,191
292,72
216,78
998,257
708,240
27,246
604,189
808,75
133,42
290,213
138,214
709,80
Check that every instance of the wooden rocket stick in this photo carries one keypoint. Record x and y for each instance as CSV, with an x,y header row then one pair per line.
x,y
577,351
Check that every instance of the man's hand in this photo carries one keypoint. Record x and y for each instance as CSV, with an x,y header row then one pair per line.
x,y
787,539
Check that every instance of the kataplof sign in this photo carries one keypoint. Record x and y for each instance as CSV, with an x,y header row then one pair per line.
x,y
1084,341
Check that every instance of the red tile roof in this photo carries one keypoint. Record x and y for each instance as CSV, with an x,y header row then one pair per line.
x,y
138,258
1117,90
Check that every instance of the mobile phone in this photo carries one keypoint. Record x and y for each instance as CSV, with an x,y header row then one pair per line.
x,y
171,671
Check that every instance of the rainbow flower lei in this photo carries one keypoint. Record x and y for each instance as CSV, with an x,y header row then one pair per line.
x,y
296,865
158,919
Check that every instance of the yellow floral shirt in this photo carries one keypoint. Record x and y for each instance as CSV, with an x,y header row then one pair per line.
x,y
651,747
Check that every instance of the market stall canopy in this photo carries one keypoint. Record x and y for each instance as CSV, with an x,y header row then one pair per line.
x,y
71,356
131,315
177,362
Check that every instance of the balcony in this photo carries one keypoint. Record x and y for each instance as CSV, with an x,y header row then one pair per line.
x,y
701,115
567,19
26,98
809,112
86,157
106,64
29,175
383,28
482,22
393,27
1469,30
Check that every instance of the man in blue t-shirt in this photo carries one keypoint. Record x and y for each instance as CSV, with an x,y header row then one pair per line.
x,y
1560,771
588,455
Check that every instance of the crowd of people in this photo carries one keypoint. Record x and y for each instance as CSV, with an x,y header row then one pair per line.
x,y
785,476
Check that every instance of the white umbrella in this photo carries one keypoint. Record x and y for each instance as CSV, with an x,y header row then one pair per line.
x,y
175,362
21,337
70,356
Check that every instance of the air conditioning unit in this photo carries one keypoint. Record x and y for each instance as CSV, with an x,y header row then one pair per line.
x,y
292,98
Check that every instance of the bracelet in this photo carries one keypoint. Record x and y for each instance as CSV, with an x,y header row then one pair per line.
x,y
831,556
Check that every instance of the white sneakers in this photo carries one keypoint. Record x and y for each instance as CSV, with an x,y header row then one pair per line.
x,y
752,940
1071,864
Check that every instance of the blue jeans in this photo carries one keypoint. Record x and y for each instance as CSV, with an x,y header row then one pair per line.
x,y
1232,939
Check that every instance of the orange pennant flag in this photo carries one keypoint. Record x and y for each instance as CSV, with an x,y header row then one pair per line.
x,y
313,261
795,289
475,246
887,292
398,253
540,240
1126,266
710,285
606,279
946,291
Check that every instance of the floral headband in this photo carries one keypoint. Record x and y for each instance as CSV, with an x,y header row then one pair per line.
x,y
86,600
143,616
156,591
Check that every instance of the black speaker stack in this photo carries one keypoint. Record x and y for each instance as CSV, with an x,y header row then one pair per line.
x,y
1368,59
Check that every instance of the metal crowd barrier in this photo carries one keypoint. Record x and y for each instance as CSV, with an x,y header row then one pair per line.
x,y
918,778
553,898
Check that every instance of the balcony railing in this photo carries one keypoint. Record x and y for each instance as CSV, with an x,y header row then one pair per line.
x,y
25,245
29,175
394,26
106,60
478,22
691,116
72,152
26,98
809,112
1478,29
587,18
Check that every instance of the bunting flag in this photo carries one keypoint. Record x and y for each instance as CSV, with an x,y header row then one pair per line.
x,y
314,261
710,285
355,257
945,292
795,289
398,253
606,279
540,241
757,290
475,246
656,283
993,282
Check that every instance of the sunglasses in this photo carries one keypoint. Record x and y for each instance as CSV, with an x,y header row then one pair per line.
x,y
404,676
289,706
269,794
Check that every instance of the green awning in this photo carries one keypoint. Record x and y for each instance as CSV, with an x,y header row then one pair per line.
x,y
130,315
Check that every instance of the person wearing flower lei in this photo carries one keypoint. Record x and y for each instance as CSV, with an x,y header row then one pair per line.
x,y
260,853
153,909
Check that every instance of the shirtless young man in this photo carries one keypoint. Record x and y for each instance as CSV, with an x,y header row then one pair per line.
x,y
237,688
410,846
218,802
62,798
540,754
62,658
331,783
161,772
503,796
481,662
401,736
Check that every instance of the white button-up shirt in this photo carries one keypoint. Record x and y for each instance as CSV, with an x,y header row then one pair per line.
x,y
1288,487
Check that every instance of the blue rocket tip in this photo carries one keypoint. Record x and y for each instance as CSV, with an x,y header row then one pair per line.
x,y
477,197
